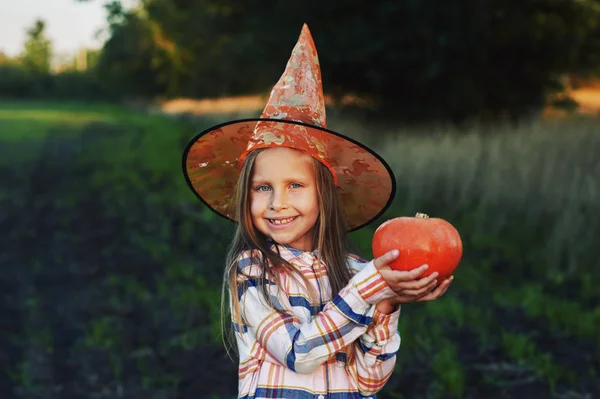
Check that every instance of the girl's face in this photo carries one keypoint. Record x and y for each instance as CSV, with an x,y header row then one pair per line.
x,y
283,197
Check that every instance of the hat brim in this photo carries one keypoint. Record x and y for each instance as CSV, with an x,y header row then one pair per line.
x,y
366,184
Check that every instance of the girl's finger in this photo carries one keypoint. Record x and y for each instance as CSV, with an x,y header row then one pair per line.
x,y
410,275
421,291
385,259
417,284
446,284
439,291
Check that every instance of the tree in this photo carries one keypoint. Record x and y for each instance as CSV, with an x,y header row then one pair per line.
x,y
415,60
37,54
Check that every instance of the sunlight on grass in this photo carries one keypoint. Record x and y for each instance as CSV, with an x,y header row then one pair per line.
x,y
31,120
53,116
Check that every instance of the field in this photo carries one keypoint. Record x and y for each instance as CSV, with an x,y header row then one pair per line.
x,y
112,269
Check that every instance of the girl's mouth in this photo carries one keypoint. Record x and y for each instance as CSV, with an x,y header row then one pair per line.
x,y
282,222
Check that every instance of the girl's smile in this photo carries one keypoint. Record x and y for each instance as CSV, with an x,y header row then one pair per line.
x,y
283,197
281,223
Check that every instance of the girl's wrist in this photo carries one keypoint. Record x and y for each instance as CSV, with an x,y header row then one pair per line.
x,y
387,306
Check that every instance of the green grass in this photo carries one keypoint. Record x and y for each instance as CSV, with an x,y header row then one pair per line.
x,y
524,200
31,120
522,311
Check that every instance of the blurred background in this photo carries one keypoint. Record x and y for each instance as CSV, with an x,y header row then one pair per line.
x,y
487,111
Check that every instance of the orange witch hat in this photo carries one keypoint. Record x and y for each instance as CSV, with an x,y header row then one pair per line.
x,y
294,117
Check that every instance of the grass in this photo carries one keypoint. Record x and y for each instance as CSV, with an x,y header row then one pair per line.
x,y
523,200
105,206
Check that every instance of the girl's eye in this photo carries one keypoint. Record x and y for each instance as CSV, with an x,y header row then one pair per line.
x,y
296,185
263,188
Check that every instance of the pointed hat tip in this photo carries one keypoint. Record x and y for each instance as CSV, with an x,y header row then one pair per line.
x,y
305,35
305,29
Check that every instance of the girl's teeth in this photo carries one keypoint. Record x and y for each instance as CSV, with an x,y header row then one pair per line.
x,y
282,221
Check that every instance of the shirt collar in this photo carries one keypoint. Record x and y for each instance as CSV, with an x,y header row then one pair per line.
x,y
288,252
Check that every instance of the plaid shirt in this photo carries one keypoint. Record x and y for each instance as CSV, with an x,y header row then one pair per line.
x,y
300,353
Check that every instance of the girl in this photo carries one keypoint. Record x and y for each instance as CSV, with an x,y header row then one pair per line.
x,y
310,319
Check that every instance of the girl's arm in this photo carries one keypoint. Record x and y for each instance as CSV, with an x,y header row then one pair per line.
x,y
302,347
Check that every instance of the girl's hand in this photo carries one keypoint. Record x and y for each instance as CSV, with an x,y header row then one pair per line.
x,y
406,283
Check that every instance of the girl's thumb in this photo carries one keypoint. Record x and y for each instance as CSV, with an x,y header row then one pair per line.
x,y
384,260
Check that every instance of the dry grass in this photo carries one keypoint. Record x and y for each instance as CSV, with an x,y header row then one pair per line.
x,y
585,93
226,105
242,105
546,168
588,98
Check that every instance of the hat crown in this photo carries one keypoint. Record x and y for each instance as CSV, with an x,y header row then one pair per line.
x,y
298,95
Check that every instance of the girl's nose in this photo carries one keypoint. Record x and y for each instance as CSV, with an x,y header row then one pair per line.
x,y
278,200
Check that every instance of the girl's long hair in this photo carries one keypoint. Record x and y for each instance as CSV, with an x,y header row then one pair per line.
x,y
329,238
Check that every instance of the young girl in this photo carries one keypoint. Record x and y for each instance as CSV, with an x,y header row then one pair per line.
x,y
310,319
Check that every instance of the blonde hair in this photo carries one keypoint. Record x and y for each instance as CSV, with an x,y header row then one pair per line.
x,y
329,235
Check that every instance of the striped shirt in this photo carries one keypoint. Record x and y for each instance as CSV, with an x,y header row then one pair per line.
x,y
300,352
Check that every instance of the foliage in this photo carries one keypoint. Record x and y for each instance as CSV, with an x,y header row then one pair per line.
x,y
417,61
425,60
37,53
111,268
19,83
30,75
132,61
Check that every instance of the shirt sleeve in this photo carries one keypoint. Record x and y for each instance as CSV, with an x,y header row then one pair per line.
x,y
302,347
376,348
376,352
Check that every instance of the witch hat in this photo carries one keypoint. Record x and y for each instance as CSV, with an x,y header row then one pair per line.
x,y
293,117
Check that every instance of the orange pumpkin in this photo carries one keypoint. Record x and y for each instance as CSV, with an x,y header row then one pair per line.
x,y
420,240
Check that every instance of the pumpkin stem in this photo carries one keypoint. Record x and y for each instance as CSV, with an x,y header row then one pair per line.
x,y
422,215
